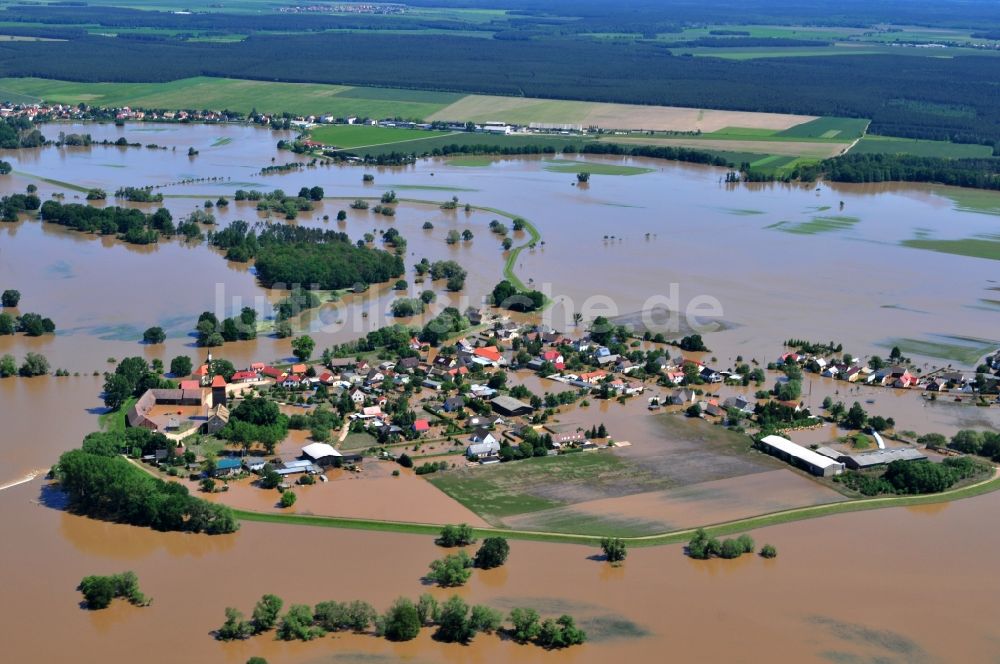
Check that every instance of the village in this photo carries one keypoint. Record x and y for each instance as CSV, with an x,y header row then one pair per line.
x,y
499,394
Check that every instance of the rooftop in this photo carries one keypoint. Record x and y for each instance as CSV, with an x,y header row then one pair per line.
x,y
799,452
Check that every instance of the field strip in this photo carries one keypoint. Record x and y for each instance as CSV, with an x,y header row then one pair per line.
x,y
525,110
408,140
673,537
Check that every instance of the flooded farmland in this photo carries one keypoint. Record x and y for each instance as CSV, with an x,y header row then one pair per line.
x,y
658,600
780,261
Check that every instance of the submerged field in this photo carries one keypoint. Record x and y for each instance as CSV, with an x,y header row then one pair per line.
x,y
686,471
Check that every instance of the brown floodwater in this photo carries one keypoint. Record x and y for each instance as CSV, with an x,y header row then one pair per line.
x,y
875,586
857,587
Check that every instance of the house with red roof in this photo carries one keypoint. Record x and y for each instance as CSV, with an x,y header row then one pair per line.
x,y
421,426
553,356
489,354
593,376
272,373
244,376
299,369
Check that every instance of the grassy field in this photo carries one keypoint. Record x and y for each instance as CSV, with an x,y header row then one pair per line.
x,y
972,247
358,441
525,110
505,490
356,136
893,145
115,420
838,129
222,93
593,167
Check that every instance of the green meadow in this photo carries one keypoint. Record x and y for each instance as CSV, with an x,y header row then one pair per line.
x,y
240,95
355,136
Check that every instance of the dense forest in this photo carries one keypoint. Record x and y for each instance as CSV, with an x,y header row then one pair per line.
x,y
297,256
976,173
918,97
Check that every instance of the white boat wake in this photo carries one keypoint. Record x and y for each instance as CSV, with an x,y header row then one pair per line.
x,y
24,480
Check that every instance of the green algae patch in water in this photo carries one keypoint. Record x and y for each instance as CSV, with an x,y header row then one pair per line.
x,y
967,350
972,247
821,224
594,168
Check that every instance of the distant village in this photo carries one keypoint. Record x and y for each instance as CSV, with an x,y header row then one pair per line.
x,y
46,112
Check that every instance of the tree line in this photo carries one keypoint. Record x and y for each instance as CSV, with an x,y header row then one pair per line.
x,y
914,477
454,621
866,86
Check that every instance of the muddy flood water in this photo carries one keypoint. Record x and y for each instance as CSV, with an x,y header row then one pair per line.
x,y
826,263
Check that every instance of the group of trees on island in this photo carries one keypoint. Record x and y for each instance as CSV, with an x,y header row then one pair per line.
x,y
506,295
212,332
454,621
454,569
98,591
452,272
100,483
14,204
31,324
703,547
128,224
34,364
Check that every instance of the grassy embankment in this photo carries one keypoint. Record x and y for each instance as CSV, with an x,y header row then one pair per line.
x,y
114,420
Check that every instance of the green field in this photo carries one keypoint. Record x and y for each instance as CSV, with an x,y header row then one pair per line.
x,y
945,149
358,441
355,136
504,490
592,167
839,129
222,93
